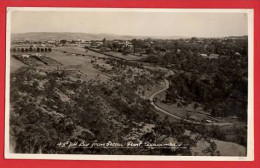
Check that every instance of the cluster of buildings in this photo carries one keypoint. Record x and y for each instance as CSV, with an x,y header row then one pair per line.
x,y
68,42
47,43
216,56
210,56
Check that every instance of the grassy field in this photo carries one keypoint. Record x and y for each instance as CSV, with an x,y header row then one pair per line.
x,y
230,149
224,148
129,57
81,63
15,64
184,112
73,58
80,51
126,57
187,112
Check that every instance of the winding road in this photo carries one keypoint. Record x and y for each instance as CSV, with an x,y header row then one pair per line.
x,y
151,98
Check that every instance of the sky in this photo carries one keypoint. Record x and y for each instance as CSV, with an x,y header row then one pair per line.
x,y
131,23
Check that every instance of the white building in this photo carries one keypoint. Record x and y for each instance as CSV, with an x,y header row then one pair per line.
x,y
25,56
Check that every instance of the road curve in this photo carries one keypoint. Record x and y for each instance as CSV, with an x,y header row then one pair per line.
x,y
174,116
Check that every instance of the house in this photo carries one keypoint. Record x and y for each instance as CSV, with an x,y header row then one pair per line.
x,y
224,56
24,56
208,121
237,54
51,42
234,117
204,55
96,44
128,44
38,55
213,56
210,56
87,42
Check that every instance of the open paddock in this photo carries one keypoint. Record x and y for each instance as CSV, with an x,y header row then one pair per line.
x,y
81,63
15,64
129,57
79,51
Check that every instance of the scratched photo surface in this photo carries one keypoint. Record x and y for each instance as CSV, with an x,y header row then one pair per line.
x,y
128,83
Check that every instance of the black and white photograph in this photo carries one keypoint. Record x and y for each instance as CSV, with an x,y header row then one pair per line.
x,y
129,84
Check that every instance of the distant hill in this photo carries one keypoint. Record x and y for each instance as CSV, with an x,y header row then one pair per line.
x,y
35,36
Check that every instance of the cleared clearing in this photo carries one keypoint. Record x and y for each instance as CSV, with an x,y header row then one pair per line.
x,y
15,64
81,63
187,112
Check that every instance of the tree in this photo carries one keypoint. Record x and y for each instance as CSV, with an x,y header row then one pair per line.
x,y
63,42
188,115
212,149
134,42
195,106
193,39
104,42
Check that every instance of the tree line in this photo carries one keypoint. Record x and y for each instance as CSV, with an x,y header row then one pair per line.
x,y
31,49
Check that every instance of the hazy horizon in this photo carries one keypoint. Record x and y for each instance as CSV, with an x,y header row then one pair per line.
x,y
148,24
134,35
